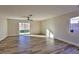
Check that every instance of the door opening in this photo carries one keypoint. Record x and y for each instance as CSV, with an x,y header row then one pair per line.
x,y
24,28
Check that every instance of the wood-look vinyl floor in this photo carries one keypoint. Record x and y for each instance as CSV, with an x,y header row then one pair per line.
x,y
35,45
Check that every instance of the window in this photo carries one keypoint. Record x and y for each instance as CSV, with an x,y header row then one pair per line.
x,y
74,25
24,28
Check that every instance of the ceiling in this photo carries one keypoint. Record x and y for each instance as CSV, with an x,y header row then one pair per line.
x,y
39,12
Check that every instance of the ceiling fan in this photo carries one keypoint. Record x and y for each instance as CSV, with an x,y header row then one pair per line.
x,y
28,17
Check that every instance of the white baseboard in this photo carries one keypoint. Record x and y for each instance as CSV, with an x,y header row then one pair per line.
x,y
75,44
13,35
2,38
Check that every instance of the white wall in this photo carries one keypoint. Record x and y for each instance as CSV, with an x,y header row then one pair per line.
x,y
35,27
3,28
60,27
13,27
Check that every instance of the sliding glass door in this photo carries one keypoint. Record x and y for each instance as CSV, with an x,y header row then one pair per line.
x,y
24,28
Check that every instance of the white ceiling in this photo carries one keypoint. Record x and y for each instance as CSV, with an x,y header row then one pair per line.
x,y
39,12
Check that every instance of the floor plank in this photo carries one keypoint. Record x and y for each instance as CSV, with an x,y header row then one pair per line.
x,y
35,45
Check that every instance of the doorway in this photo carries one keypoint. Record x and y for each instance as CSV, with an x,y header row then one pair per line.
x,y
24,28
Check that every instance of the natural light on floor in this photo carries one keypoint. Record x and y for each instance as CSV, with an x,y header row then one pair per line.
x,y
49,34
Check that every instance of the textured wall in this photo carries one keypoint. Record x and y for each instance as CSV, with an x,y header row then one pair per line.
x,y
60,27
13,27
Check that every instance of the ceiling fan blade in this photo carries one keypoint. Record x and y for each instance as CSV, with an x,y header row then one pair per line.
x,y
27,16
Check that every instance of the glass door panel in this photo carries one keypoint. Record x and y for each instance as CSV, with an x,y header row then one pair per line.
x,y
24,28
